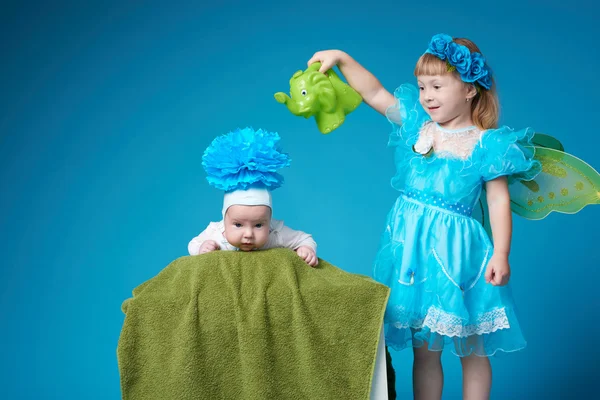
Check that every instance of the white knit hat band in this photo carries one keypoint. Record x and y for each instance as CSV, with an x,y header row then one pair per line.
x,y
248,197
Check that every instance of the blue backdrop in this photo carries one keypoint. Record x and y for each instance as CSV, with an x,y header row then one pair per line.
x,y
107,107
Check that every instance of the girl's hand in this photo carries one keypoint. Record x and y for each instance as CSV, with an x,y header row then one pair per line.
x,y
308,255
498,270
208,246
327,58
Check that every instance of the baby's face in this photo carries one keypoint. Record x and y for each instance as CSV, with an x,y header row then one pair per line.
x,y
247,227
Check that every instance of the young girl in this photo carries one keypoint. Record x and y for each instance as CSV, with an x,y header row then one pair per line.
x,y
243,163
449,283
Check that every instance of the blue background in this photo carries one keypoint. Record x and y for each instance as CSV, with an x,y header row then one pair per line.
x,y
106,109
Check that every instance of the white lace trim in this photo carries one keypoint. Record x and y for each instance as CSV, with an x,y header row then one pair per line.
x,y
459,143
439,321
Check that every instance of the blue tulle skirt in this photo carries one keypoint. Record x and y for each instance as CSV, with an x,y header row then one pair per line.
x,y
434,261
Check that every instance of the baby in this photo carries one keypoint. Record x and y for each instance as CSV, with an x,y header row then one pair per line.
x,y
247,225
243,163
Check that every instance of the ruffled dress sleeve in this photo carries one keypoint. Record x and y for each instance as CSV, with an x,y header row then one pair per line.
x,y
407,116
508,152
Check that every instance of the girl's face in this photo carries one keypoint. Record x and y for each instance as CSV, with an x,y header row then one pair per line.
x,y
444,98
247,227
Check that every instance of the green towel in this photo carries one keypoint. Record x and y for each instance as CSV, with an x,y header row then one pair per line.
x,y
251,325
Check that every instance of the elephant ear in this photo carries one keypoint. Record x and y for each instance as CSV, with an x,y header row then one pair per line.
x,y
327,99
323,89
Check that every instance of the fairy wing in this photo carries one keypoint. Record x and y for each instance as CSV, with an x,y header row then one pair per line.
x,y
547,141
566,184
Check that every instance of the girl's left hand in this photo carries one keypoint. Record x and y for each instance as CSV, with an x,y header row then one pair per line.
x,y
498,270
308,255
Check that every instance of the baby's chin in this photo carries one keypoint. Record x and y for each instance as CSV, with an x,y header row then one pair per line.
x,y
249,248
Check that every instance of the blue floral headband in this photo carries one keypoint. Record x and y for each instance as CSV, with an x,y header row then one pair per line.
x,y
471,66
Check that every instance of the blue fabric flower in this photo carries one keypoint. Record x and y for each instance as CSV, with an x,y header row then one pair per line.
x,y
245,158
477,70
439,44
486,80
459,56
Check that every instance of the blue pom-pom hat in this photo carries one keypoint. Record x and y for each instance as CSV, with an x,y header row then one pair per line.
x,y
244,164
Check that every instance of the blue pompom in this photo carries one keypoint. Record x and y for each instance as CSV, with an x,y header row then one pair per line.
x,y
245,158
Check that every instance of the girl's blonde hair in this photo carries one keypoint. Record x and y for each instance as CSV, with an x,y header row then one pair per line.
x,y
485,107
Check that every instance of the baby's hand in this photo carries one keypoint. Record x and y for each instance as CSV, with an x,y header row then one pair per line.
x,y
327,58
308,255
208,246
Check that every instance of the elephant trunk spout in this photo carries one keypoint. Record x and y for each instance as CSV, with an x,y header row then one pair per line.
x,y
290,104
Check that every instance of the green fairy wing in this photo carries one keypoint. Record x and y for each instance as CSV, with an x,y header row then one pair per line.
x,y
547,141
566,184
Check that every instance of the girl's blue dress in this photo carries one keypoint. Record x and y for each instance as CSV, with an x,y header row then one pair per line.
x,y
433,253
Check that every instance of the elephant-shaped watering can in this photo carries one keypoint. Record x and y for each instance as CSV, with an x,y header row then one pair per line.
x,y
324,96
